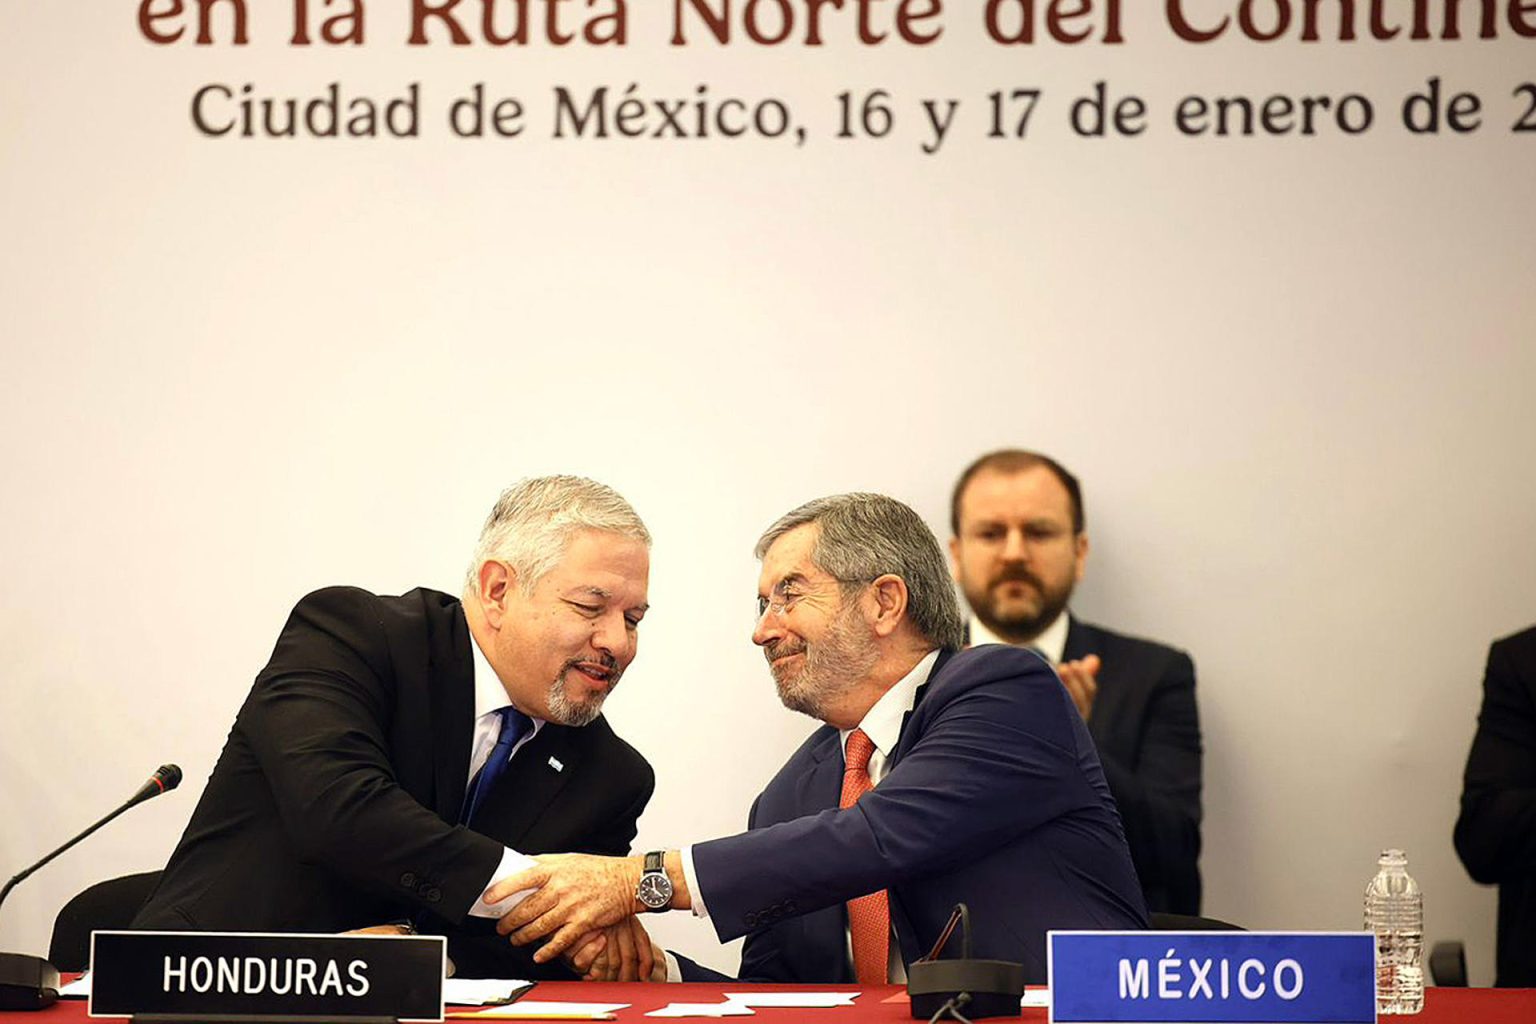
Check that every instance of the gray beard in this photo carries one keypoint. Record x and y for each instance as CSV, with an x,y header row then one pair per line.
x,y
564,711
832,669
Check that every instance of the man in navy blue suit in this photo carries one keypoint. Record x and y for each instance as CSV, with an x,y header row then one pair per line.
x,y
938,777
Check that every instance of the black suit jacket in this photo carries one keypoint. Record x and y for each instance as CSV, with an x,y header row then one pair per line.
x,y
994,798
1147,729
334,804
1496,832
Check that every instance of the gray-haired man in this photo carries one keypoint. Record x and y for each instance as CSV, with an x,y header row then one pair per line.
x,y
399,754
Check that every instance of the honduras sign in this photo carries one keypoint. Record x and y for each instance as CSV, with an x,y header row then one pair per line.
x,y
1125,977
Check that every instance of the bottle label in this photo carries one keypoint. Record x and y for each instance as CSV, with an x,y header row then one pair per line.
x,y
1212,976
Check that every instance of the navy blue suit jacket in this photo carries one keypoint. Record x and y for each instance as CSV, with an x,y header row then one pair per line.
x,y
994,797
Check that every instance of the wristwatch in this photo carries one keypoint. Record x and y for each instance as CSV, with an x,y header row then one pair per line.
x,y
655,889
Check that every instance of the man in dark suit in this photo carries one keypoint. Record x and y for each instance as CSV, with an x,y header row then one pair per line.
x,y
399,754
1496,833
1018,549
937,778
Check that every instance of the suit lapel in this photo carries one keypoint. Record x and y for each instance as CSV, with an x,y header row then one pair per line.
x,y
905,936
451,677
1080,641
540,769
820,788
917,700
1083,640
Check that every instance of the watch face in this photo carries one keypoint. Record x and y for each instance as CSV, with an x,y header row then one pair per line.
x,y
655,891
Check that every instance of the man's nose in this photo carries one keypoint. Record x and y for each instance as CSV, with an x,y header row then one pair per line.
x,y
612,634
1015,549
767,629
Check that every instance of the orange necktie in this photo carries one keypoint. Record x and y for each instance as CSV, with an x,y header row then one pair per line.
x,y
869,917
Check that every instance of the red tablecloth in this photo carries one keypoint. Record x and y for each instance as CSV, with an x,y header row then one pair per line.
x,y
1441,1005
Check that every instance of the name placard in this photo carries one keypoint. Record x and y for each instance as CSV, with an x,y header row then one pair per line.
x,y
250,974
1145,977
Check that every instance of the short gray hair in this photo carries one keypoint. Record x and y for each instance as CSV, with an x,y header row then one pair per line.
x,y
534,520
864,536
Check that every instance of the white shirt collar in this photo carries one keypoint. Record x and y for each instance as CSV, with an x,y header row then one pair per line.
x,y
1052,641
882,723
490,695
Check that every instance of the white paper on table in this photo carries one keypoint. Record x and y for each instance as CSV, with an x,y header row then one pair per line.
x,y
1040,997
77,989
535,1008
481,991
811,1000
725,1009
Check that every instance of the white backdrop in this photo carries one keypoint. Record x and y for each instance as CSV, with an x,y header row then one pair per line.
x,y
1292,371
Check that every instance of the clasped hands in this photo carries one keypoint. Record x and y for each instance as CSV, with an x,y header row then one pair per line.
x,y
585,907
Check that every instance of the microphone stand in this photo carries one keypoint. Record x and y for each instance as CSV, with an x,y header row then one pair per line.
x,y
30,982
23,876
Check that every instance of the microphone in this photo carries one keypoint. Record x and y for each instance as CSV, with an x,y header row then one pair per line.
x,y
30,982
166,778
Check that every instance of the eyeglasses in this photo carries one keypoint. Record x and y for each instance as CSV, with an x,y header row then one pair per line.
x,y
787,593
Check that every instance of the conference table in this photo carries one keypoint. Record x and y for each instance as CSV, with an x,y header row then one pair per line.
x,y
885,1003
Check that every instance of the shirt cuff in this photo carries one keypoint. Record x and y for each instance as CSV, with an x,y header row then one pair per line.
x,y
511,863
695,894
674,972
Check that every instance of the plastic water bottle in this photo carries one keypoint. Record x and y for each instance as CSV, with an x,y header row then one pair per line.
x,y
1394,910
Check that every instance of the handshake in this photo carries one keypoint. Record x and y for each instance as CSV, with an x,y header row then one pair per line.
x,y
584,908
987,790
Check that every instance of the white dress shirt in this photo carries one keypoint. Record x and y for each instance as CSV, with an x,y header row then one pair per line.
x,y
490,698
1051,643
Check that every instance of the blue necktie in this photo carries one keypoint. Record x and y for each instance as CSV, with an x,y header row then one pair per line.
x,y
514,724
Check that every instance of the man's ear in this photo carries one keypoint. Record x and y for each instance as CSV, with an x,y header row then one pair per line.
x,y
954,558
496,582
890,601
1081,556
